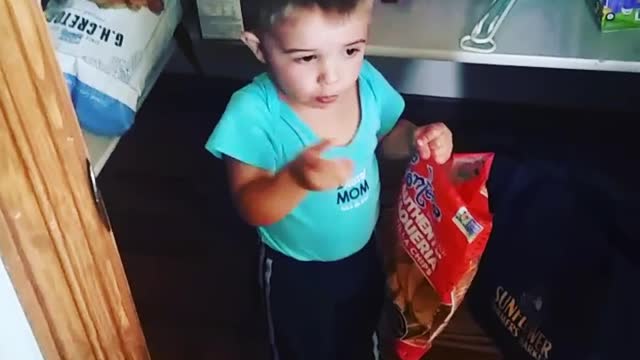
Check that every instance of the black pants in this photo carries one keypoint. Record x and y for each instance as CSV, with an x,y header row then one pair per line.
x,y
323,310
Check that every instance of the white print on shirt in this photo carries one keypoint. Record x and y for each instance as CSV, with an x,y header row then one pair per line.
x,y
354,193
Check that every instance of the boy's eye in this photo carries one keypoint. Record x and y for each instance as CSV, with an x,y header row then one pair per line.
x,y
307,58
352,51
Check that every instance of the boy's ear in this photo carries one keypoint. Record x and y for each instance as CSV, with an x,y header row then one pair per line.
x,y
253,43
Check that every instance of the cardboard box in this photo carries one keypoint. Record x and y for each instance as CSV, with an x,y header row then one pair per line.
x,y
220,19
614,15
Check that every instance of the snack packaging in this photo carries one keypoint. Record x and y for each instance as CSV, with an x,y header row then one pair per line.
x,y
442,223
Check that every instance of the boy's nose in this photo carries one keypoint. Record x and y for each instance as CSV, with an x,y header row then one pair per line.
x,y
329,75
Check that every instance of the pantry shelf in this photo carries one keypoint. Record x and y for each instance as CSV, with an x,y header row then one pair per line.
x,y
100,148
536,33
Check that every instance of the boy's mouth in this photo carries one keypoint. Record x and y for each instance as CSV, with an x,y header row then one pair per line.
x,y
326,99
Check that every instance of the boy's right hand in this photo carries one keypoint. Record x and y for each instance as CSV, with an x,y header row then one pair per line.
x,y
312,172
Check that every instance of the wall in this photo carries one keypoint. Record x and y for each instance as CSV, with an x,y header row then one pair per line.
x,y
16,338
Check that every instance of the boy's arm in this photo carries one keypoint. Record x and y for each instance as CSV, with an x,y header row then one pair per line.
x,y
398,143
263,198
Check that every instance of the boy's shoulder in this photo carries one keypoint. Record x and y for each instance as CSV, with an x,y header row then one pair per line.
x,y
387,101
254,96
371,74
373,79
245,131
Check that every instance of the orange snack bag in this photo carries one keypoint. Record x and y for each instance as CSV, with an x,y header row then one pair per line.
x,y
442,223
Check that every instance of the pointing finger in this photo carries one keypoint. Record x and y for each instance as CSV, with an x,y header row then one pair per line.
x,y
345,169
320,147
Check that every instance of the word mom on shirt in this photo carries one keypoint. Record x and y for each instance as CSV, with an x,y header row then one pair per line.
x,y
354,193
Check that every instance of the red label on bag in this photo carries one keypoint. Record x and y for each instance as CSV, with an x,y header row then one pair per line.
x,y
436,227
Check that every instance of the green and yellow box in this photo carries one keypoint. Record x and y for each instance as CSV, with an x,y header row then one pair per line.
x,y
613,15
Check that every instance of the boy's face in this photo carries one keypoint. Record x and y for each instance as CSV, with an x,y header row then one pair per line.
x,y
316,56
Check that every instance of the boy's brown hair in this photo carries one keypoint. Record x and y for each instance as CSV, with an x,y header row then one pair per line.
x,y
260,15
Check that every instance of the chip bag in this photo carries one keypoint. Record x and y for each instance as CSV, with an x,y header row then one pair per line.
x,y
442,224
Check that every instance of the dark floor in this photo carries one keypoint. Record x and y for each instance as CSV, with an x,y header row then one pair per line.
x,y
191,262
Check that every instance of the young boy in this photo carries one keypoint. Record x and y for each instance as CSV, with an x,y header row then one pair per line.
x,y
299,143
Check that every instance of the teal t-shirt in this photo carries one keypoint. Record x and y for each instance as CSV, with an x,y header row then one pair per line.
x,y
261,130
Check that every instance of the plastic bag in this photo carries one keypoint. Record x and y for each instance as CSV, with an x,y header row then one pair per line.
x,y
110,57
442,224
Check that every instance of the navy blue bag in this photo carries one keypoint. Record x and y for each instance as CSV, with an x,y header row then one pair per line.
x,y
550,280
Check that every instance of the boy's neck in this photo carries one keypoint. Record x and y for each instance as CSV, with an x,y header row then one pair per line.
x,y
339,121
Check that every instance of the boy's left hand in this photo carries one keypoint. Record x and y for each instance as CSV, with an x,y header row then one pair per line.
x,y
434,140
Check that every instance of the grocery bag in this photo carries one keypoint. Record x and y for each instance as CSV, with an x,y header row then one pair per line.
x,y
111,57
553,283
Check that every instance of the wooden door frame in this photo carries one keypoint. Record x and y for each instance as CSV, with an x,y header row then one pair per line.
x,y
58,250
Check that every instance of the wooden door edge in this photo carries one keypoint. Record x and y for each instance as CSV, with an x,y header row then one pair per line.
x,y
62,260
